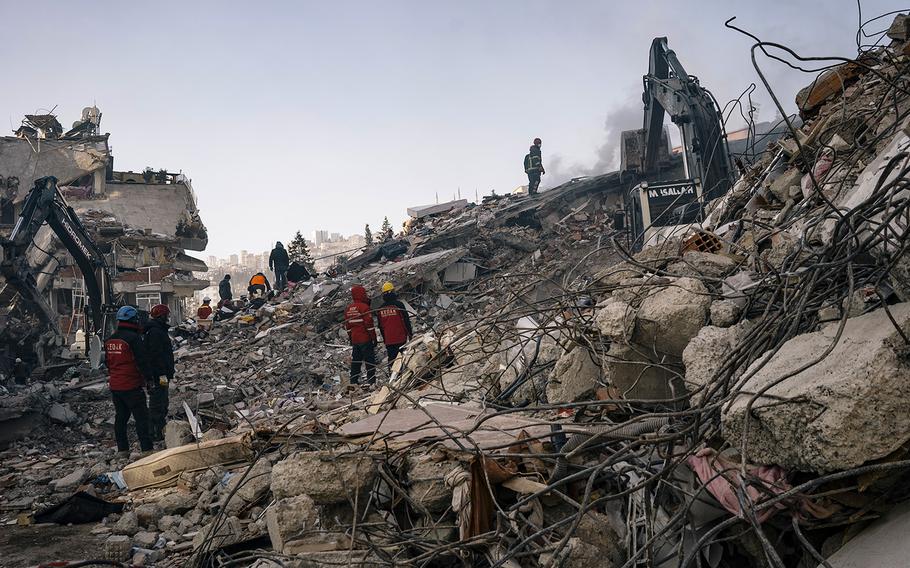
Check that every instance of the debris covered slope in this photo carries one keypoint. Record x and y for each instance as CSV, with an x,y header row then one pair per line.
x,y
735,396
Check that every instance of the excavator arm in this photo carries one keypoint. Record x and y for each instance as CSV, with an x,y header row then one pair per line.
x,y
45,204
669,90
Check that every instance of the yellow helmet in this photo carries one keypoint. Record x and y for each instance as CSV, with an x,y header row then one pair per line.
x,y
388,287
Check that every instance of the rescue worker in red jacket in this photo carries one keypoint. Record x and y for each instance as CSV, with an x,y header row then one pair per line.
x,y
205,310
394,322
358,321
129,372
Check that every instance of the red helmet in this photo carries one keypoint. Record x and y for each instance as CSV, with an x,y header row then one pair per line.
x,y
160,311
537,140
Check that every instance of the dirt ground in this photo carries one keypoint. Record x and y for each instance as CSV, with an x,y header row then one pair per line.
x,y
21,547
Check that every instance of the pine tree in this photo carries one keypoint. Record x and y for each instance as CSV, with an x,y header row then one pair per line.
x,y
387,232
299,252
368,235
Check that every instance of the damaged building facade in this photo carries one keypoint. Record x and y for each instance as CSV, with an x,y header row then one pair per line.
x,y
143,222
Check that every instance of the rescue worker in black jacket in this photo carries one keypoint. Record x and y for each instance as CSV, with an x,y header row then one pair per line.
x,y
128,370
224,290
278,262
534,166
160,353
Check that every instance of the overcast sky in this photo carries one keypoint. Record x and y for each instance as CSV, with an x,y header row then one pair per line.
x,y
333,114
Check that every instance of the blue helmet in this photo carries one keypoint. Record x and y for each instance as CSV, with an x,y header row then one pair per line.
x,y
126,313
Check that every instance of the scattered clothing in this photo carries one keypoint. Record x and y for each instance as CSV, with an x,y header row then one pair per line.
x,y
298,272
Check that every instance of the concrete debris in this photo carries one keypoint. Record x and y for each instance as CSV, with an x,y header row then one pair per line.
x,y
565,398
671,316
290,519
324,476
828,401
575,377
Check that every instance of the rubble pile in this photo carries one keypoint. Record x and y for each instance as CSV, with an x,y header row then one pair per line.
x,y
732,396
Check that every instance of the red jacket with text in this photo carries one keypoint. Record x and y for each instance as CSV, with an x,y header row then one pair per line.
x,y
126,358
357,318
394,322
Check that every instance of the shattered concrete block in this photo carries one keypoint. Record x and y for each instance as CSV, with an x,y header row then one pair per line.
x,y
697,264
780,187
117,548
670,317
228,531
324,476
251,488
576,375
168,522
427,483
148,513
615,319
176,503
145,539
845,410
178,433
900,28
128,524
724,313
638,374
706,353
290,518
71,481
62,413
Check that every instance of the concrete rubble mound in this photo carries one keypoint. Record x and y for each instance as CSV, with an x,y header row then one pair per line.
x,y
735,395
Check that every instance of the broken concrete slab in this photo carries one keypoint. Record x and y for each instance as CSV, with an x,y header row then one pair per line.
x,y
707,352
640,375
843,411
670,317
178,433
71,481
576,375
427,483
325,476
615,319
289,519
699,264
725,313
62,413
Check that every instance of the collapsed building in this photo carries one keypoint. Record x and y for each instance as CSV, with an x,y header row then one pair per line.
x,y
143,224
732,395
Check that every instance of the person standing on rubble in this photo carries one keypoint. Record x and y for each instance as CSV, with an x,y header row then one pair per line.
x,y
224,290
534,166
394,322
128,372
358,321
278,263
160,352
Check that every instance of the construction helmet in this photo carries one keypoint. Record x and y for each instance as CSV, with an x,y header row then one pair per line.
x,y
160,311
206,300
537,140
388,287
127,313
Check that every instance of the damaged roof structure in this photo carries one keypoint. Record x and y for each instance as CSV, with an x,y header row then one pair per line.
x,y
735,396
143,223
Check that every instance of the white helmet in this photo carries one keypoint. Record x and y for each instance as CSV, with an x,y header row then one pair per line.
x,y
206,299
